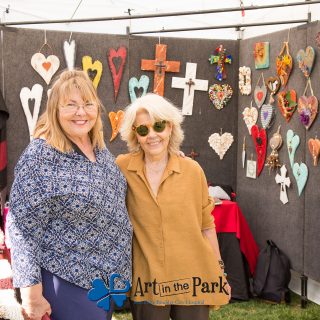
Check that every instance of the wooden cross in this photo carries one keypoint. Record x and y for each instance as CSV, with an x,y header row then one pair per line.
x,y
193,154
160,66
284,182
189,84
221,59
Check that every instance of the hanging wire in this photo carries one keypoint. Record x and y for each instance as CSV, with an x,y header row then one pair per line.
x,y
74,12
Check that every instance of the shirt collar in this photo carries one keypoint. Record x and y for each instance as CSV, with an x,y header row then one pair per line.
x,y
137,163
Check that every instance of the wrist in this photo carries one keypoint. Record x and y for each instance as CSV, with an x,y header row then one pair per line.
x,y
31,293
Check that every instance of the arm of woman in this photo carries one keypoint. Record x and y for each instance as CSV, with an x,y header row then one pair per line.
x,y
34,305
211,235
27,220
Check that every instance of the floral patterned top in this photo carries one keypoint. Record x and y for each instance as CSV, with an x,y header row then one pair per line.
x,y
68,215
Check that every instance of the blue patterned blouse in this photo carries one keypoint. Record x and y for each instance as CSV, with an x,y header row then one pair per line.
x,y
68,215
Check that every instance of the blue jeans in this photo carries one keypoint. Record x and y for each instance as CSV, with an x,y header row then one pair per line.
x,y
70,302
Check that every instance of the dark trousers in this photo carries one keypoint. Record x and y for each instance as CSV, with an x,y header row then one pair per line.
x,y
147,311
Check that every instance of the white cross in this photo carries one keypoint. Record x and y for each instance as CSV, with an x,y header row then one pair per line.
x,y
285,182
189,84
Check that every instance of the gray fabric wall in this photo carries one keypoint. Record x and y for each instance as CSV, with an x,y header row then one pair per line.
x,y
294,226
21,44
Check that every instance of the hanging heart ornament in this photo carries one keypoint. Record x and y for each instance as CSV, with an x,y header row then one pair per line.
x,y
314,148
220,95
220,143
94,70
260,94
69,51
293,141
266,115
134,85
273,84
115,120
305,60
250,116
46,67
307,109
287,103
284,64
300,173
259,138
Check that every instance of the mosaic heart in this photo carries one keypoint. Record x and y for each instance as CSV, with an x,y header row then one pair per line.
x,y
143,83
94,70
220,95
115,120
220,143
308,110
314,148
305,60
287,103
273,84
266,115
259,138
300,173
260,94
293,141
250,116
46,67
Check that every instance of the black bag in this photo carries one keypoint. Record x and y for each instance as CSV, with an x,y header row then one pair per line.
x,y
272,274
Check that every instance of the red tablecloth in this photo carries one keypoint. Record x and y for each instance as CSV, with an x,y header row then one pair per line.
x,y
229,218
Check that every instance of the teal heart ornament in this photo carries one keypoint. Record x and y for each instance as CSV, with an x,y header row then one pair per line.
x,y
266,115
300,173
293,141
134,83
305,60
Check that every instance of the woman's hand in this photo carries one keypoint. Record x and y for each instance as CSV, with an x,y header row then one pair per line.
x,y
36,309
34,305
228,288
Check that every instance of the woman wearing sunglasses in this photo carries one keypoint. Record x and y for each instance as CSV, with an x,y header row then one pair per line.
x,y
177,267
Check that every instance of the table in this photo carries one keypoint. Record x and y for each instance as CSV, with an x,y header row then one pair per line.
x,y
235,242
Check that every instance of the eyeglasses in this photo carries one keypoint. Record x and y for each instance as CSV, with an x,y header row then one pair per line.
x,y
143,129
73,108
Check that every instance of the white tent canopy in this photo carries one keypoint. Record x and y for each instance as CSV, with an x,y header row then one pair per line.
x,y
44,10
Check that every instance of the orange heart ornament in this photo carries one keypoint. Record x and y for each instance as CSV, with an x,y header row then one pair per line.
x,y
116,121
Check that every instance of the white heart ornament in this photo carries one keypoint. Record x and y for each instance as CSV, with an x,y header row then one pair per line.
x,y
220,143
69,50
25,95
266,115
250,117
46,67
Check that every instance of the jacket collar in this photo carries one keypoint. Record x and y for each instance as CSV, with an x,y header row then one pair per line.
x,y
137,162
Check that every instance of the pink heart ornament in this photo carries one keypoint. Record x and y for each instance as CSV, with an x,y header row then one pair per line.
x,y
308,110
260,94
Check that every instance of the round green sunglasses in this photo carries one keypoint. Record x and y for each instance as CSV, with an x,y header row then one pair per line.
x,y
143,129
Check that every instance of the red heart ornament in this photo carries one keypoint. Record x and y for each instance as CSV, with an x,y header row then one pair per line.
x,y
259,138
119,55
287,103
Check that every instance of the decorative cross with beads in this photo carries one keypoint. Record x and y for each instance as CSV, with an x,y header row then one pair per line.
x,y
221,59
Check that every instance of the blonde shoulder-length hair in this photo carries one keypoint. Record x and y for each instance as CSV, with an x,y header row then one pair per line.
x,y
48,125
158,108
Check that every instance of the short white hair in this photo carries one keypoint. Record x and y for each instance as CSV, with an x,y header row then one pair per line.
x,y
158,108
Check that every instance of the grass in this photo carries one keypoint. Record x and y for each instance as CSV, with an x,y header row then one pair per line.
x,y
256,310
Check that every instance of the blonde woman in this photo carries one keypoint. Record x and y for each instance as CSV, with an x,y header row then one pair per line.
x,y
68,222
177,267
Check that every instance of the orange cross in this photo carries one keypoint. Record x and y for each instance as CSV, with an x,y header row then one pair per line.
x,y
160,66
